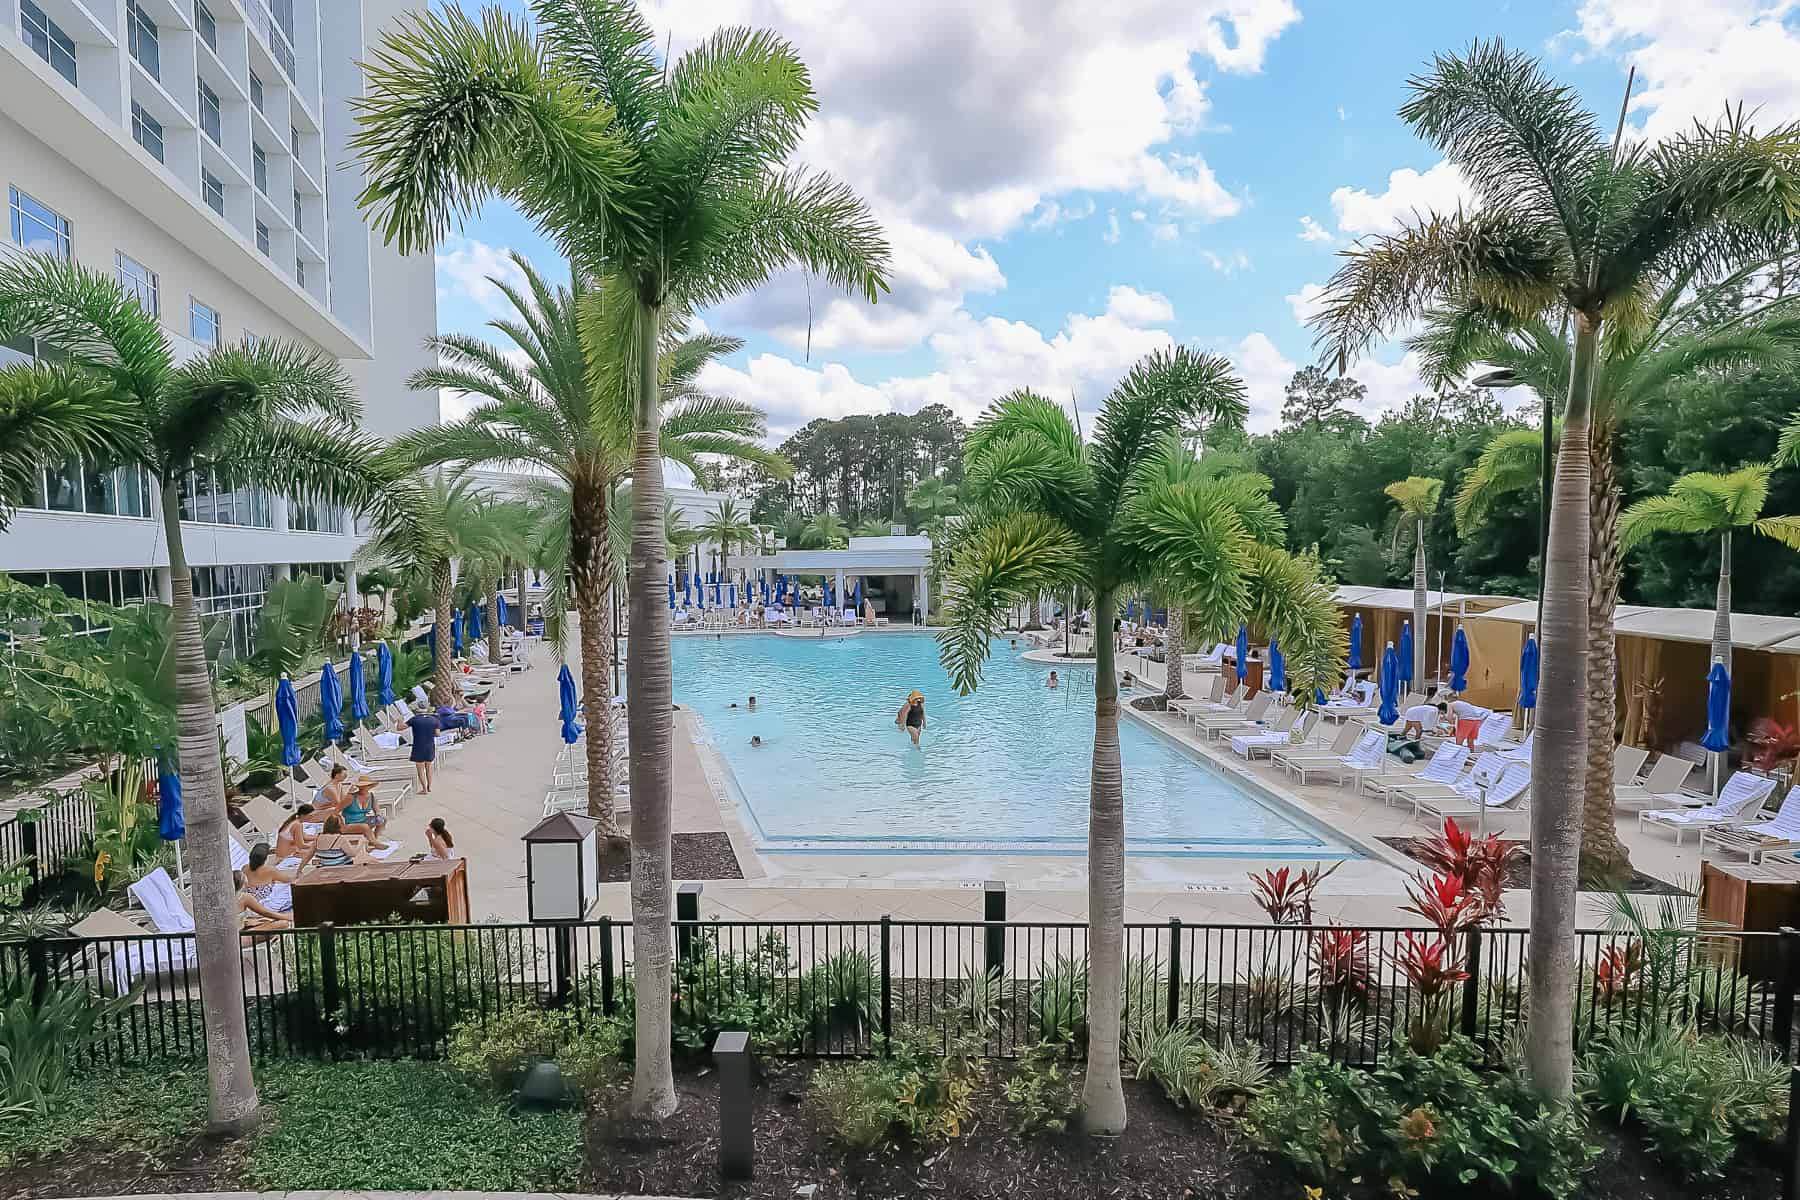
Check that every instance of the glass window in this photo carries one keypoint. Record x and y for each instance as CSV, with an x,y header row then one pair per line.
x,y
204,324
47,40
203,21
283,12
294,139
18,350
262,237
259,168
299,271
63,487
256,90
138,280
209,112
147,130
213,190
37,227
299,220
141,37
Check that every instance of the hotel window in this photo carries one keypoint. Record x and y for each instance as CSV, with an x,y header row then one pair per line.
x,y
78,487
299,218
213,190
147,130
203,21
259,168
294,139
300,271
138,281
47,40
256,92
310,514
234,594
36,227
141,37
209,112
204,325
262,237
210,495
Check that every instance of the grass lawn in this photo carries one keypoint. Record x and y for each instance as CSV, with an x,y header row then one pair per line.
x,y
408,1126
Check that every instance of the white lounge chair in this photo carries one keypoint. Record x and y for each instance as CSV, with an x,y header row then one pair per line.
x,y
1368,756
1494,731
1627,762
1250,715
1479,799
1661,786
1280,732
1779,834
1292,758
1739,801
1443,770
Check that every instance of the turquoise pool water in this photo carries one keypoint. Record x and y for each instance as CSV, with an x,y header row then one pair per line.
x,y
1004,769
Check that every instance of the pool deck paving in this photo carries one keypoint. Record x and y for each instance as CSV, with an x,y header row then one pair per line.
x,y
491,791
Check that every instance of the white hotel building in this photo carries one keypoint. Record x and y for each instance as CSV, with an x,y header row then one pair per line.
x,y
198,149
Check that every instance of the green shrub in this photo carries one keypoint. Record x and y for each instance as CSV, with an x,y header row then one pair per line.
x,y
844,988
1044,1089
1429,1123
980,997
594,1054
755,991
1191,1071
1059,1001
914,1092
1693,1095
496,1050
41,1038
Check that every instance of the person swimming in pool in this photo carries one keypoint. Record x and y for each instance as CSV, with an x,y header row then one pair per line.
x,y
911,716
1054,682
756,740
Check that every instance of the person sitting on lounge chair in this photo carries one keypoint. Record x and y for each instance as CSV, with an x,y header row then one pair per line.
x,y
336,848
256,915
356,808
268,883
292,840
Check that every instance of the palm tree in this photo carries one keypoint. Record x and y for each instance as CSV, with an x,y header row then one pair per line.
x,y
1051,512
52,413
933,498
1416,497
1705,503
668,181
826,531
511,523
872,528
791,529
441,525
1563,221
1681,336
725,527
281,415
542,413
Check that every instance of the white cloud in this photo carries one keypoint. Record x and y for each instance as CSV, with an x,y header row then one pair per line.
x,y
464,266
1440,189
1312,231
1051,214
454,405
1342,115
1694,59
1165,231
1138,214
966,117
1138,308
1305,302
1227,264
1266,370
1111,236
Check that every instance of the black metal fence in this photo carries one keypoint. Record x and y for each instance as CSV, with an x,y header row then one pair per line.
x,y
52,835
834,988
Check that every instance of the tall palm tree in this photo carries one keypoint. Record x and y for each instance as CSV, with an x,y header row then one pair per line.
x,y
281,415
725,527
669,182
1680,336
1416,498
932,498
826,531
1562,220
52,413
442,524
791,529
511,523
1050,512
543,414
1704,503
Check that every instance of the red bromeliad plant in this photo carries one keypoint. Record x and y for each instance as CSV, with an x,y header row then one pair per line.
x,y
1432,966
1341,964
1481,865
1617,970
1287,897
1775,744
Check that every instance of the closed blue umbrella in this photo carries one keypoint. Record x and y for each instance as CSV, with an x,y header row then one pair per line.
x,y
565,688
764,582
359,695
1277,668
1405,652
456,631
1390,686
1528,674
1459,660
856,597
1243,651
717,601
287,716
331,703
731,593
687,591
505,616
384,673
1355,663
431,641
171,819
1718,709
1131,609
473,624
671,590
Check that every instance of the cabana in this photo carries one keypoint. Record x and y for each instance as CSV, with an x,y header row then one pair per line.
x,y
1493,651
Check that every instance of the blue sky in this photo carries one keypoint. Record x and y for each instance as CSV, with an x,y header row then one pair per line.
x,y
1067,186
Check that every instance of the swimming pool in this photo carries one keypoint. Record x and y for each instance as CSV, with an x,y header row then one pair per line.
x,y
1005,769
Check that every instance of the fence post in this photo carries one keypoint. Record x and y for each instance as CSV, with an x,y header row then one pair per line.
x,y
1174,971
1784,995
565,958
328,981
607,1003
1471,997
687,914
28,850
37,961
737,1152
887,985
993,911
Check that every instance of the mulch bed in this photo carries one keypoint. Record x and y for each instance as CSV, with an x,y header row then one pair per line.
x,y
1627,1170
1519,876
204,1164
695,856
1166,1154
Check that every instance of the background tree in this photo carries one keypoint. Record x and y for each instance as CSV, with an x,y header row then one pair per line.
x,y
726,527
1416,501
667,181
1313,398
1562,220
282,416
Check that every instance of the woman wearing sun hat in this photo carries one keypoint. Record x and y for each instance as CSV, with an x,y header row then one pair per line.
x,y
911,716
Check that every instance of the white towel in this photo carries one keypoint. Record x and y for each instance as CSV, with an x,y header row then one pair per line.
x,y
384,855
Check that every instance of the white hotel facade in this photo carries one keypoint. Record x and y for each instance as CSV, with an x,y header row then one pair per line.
x,y
198,150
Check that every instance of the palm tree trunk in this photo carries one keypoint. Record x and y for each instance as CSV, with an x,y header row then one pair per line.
x,y
493,623
1557,761
232,1104
650,696
588,541
1721,642
1174,648
443,673
1102,1093
1604,858
1420,593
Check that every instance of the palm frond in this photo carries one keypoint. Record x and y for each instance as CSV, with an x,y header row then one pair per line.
x,y
610,48
1416,496
1189,540
56,412
1294,601
1511,462
1785,530
1018,554
1176,388
301,459
86,315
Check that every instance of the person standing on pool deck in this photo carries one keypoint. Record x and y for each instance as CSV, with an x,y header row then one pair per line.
x,y
911,716
424,728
